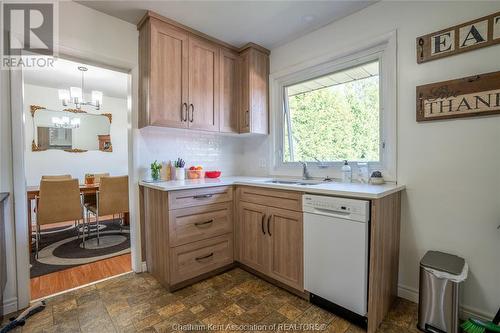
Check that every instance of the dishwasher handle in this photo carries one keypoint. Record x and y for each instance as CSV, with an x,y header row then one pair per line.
x,y
331,213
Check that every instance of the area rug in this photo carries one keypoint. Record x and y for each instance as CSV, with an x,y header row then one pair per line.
x,y
60,248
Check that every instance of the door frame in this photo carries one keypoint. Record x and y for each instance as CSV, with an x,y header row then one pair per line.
x,y
19,176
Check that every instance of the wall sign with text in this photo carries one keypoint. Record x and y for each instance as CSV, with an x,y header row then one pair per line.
x,y
468,36
472,96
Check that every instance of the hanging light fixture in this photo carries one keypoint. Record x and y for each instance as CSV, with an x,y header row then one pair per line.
x,y
75,94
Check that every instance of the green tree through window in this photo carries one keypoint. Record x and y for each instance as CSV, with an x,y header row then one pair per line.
x,y
335,123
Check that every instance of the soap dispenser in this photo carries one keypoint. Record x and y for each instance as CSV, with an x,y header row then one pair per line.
x,y
346,172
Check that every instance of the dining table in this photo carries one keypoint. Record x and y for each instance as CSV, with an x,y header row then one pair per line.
x,y
33,191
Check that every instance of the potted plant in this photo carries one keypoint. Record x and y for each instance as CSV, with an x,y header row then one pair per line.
x,y
155,170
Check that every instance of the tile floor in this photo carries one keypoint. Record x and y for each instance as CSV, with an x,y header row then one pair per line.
x,y
138,303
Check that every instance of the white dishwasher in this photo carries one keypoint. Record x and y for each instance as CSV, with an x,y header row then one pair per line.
x,y
336,232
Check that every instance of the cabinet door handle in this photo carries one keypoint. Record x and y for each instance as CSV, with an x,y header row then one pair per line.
x,y
192,113
184,112
203,196
268,222
199,224
204,257
262,224
247,118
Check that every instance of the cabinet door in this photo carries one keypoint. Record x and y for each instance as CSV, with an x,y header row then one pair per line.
x,y
203,85
244,117
258,93
229,78
254,242
254,92
168,86
285,229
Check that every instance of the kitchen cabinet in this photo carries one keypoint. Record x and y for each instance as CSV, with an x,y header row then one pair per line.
x,y
188,233
203,85
270,241
254,91
285,229
254,243
193,81
229,91
163,79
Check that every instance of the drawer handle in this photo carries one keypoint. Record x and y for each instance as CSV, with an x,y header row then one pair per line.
x,y
262,224
268,221
204,257
198,224
203,196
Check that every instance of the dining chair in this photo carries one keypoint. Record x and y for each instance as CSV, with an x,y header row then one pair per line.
x,y
59,201
55,177
112,198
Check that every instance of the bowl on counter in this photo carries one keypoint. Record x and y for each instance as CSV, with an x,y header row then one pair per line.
x,y
213,174
195,174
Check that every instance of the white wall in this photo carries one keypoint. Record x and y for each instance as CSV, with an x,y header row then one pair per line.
x,y
54,162
451,168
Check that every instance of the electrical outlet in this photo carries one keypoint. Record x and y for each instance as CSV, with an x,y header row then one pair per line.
x,y
262,163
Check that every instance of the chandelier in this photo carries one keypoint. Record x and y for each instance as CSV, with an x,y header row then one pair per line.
x,y
65,122
75,95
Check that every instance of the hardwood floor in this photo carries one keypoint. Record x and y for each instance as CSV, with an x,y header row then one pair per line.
x,y
78,276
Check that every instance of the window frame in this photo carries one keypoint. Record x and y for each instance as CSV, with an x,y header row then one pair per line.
x,y
384,51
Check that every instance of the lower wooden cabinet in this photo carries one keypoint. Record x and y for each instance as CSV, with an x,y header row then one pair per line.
x,y
270,241
285,229
253,240
194,259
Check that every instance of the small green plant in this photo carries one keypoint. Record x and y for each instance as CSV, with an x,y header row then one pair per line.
x,y
155,170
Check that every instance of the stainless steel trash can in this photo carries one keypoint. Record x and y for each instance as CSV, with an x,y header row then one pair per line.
x,y
440,275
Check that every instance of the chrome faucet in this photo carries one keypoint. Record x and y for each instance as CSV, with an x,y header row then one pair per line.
x,y
305,171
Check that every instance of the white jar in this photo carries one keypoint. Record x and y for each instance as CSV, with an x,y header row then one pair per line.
x,y
180,173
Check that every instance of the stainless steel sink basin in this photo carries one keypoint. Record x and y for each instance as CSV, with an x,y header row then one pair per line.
x,y
293,182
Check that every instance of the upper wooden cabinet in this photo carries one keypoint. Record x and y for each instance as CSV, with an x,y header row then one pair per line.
x,y
203,85
254,91
190,80
163,79
229,91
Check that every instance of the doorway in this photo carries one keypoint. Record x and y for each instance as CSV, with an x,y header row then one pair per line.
x,y
77,121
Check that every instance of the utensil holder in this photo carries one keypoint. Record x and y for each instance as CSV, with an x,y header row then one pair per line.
x,y
180,173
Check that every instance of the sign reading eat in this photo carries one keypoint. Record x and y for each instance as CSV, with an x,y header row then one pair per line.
x,y
465,37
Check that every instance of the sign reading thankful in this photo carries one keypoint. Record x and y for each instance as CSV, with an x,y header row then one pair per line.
x,y
468,97
465,37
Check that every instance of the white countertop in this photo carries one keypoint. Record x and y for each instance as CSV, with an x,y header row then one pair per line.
x,y
335,188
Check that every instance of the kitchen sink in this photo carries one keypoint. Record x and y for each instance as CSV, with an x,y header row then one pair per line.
x,y
293,182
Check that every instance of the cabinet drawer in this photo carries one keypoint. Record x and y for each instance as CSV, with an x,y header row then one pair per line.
x,y
198,197
270,197
193,259
196,223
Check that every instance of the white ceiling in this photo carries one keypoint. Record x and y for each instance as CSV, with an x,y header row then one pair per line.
x,y
267,23
65,73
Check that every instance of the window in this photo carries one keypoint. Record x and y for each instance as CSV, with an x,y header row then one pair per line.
x,y
340,106
333,117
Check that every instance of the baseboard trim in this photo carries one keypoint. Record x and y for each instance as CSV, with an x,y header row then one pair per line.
x,y
9,306
411,294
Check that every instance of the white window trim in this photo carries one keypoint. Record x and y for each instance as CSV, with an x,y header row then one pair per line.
x,y
383,49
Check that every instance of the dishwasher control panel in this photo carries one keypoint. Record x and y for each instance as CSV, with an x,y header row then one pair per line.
x,y
350,208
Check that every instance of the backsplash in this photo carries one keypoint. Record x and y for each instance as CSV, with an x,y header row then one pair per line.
x,y
212,151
